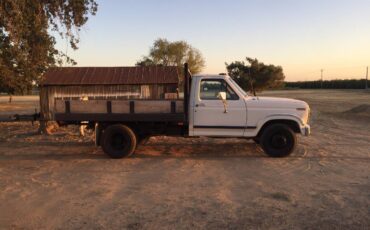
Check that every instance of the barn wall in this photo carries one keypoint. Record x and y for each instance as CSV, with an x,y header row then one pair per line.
x,y
49,93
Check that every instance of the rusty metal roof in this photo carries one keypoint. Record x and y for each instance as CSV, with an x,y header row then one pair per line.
x,y
111,75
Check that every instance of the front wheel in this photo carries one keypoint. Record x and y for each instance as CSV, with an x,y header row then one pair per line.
x,y
278,140
118,141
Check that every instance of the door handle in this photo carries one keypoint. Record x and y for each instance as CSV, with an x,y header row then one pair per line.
x,y
200,105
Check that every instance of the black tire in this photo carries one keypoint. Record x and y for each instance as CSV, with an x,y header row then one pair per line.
x,y
278,140
118,141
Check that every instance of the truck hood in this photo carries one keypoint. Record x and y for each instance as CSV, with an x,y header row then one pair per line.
x,y
275,102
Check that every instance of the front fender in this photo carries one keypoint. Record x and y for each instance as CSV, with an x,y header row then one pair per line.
x,y
289,117
280,117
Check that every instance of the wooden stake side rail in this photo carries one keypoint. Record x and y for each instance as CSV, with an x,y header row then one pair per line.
x,y
117,117
119,110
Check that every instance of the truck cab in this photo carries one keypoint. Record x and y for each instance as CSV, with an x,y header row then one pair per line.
x,y
218,107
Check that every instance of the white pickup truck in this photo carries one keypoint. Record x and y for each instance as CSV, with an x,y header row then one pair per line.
x,y
213,106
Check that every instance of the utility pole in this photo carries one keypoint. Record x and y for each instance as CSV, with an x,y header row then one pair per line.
x,y
321,77
367,73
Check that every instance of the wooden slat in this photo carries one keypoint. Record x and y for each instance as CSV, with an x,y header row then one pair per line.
x,y
152,106
120,106
59,106
179,106
91,106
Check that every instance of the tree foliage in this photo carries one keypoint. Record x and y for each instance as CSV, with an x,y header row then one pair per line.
x,y
166,53
255,76
27,37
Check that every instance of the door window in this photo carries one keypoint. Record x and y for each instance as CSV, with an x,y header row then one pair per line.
x,y
210,89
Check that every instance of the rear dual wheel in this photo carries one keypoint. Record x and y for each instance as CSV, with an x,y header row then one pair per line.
x,y
119,141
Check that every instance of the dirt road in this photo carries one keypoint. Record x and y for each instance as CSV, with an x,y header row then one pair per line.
x,y
63,181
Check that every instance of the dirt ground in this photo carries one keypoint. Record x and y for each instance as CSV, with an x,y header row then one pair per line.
x,y
63,181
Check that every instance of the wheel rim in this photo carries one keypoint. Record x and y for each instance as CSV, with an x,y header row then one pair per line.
x,y
118,141
279,141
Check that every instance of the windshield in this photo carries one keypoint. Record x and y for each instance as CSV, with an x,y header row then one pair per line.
x,y
238,87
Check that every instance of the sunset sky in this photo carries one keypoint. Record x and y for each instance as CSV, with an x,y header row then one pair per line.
x,y
301,36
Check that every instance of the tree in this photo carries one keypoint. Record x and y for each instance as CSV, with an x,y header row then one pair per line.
x,y
166,53
27,47
255,76
146,61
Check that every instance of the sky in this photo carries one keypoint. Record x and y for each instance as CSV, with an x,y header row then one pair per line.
x,y
302,36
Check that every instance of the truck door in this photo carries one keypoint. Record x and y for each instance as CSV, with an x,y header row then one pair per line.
x,y
210,117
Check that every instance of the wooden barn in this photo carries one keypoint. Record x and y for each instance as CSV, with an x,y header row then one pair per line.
x,y
106,83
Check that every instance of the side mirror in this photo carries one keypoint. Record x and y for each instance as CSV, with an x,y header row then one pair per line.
x,y
222,96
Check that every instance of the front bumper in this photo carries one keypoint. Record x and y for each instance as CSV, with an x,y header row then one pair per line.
x,y
306,130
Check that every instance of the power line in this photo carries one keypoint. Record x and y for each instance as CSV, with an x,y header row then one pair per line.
x,y
367,73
